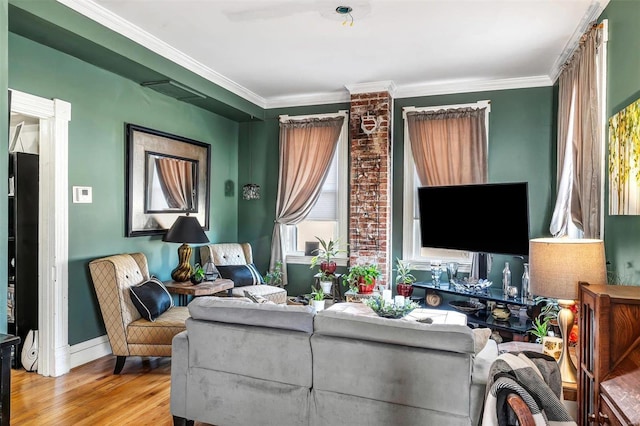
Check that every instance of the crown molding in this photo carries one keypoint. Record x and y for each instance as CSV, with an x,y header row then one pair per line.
x,y
410,91
372,87
446,88
591,15
308,99
121,26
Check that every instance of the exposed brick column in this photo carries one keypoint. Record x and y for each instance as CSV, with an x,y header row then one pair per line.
x,y
370,183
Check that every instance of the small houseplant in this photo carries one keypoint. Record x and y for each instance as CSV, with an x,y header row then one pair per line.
x,y
198,274
326,281
325,254
362,277
540,328
404,278
318,298
274,277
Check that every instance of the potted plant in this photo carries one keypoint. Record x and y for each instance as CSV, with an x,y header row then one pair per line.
x,y
540,328
274,277
325,254
318,298
404,279
363,277
326,281
198,274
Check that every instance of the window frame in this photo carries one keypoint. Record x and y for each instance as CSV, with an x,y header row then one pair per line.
x,y
420,262
342,152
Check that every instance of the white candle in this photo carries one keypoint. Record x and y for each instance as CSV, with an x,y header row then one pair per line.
x,y
399,300
386,295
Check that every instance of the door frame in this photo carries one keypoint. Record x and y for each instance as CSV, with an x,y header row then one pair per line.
x,y
53,235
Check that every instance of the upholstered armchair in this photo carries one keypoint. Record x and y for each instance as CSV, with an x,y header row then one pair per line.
x,y
225,255
129,333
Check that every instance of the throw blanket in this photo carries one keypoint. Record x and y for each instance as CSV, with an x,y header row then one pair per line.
x,y
533,376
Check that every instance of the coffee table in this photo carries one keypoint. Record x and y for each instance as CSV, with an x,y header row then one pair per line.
x,y
205,288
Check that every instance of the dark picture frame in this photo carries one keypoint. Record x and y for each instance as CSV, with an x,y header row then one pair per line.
x,y
153,201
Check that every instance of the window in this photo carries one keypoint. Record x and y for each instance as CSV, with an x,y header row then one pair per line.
x,y
412,251
328,218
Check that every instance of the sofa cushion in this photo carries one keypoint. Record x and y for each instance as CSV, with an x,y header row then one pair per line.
x,y
241,275
160,331
229,310
480,338
482,363
270,292
151,298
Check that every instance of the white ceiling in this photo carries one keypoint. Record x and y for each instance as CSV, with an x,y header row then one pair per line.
x,y
284,52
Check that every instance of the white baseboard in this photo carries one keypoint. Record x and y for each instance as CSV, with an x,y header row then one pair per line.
x,y
90,350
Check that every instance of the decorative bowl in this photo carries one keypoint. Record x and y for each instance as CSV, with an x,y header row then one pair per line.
x,y
466,306
471,285
389,309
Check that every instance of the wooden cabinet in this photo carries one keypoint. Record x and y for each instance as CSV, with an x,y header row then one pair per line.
x,y
609,355
22,297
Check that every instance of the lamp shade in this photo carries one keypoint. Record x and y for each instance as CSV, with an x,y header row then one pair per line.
x,y
186,229
556,265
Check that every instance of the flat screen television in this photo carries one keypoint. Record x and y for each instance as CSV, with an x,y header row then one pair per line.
x,y
485,218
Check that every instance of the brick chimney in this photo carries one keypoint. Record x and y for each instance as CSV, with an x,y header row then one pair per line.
x,y
370,175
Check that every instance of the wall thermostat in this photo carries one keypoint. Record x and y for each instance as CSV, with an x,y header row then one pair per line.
x,y
82,194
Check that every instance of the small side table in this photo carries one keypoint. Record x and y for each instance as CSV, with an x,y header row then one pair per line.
x,y
336,294
205,288
7,343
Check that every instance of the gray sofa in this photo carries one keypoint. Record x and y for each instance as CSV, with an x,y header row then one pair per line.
x,y
241,363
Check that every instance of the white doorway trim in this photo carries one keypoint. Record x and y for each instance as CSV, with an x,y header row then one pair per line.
x,y
53,242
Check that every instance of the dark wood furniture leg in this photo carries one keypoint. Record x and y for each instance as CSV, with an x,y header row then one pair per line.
x,y
119,364
183,299
181,421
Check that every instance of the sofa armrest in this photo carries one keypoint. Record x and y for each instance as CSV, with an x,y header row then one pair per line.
x,y
179,370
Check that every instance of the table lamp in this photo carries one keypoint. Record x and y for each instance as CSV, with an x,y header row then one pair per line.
x,y
186,229
556,266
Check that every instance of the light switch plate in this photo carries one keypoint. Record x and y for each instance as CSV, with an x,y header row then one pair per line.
x,y
82,194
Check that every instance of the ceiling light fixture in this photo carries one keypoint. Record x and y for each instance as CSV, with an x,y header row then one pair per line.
x,y
346,12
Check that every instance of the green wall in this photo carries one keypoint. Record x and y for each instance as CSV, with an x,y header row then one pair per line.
x,y
621,233
521,148
101,104
4,144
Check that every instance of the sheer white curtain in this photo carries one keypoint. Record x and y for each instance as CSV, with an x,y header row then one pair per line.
x,y
578,208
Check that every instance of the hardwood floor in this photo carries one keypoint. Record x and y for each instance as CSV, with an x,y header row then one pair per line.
x,y
92,395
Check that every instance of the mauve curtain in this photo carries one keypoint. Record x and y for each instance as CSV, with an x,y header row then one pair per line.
x,y
176,181
580,142
449,147
306,150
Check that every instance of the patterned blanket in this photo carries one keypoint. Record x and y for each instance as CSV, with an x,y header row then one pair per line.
x,y
533,376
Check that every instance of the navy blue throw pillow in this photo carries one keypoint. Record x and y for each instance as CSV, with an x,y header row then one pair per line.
x,y
151,299
241,275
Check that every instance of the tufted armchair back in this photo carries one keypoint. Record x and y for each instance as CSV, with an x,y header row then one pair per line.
x,y
227,254
112,277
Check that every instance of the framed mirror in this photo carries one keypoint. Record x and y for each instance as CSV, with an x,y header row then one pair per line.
x,y
167,176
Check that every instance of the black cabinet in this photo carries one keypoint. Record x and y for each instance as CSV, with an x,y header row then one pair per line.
x,y
517,325
22,297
